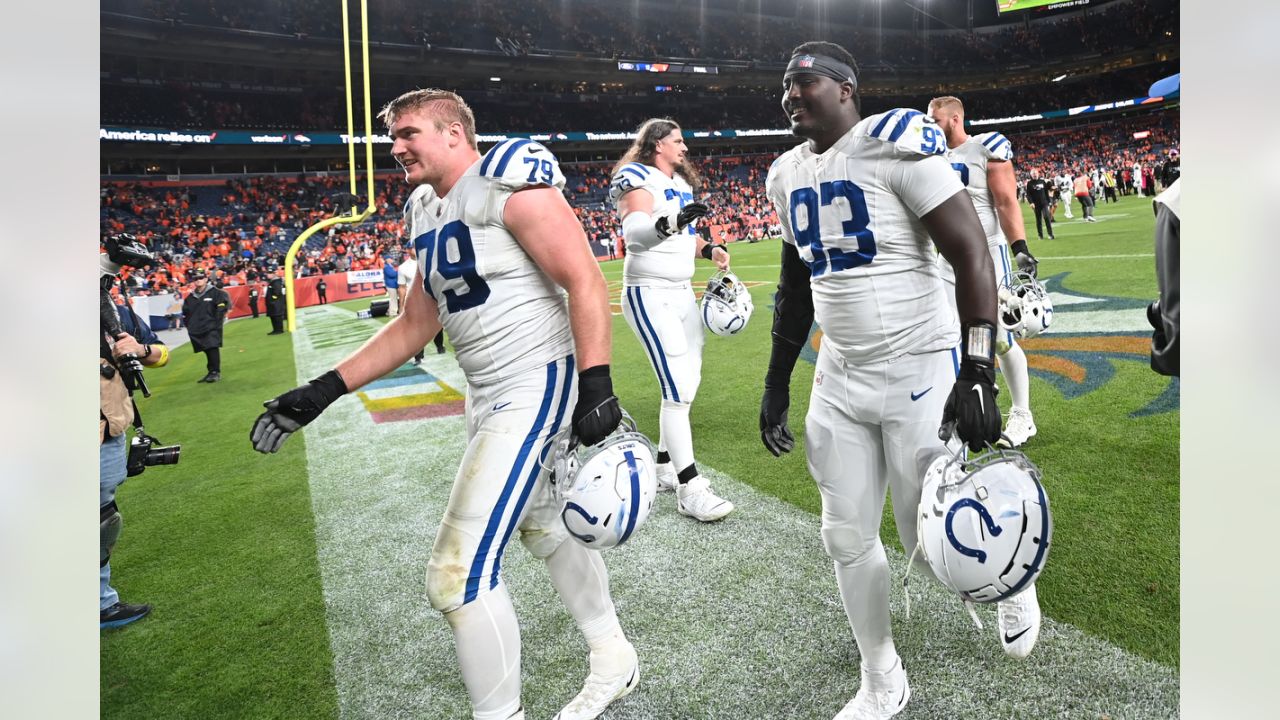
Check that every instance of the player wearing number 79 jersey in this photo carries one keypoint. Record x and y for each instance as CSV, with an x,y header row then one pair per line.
x,y
498,248
862,203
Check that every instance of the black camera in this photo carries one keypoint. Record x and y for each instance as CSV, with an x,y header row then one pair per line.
x,y
125,250
145,451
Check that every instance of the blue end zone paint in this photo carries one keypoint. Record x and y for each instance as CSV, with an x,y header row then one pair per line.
x,y
390,381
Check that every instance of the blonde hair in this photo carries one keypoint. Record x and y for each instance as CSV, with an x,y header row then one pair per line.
x,y
947,101
442,106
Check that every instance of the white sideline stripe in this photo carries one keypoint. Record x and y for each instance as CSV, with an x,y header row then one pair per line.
x,y
723,630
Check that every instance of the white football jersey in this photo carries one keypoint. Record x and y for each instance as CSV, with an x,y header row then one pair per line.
x,y
853,214
503,314
670,263
970,163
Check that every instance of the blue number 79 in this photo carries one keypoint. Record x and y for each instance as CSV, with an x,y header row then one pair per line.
x,y
537,164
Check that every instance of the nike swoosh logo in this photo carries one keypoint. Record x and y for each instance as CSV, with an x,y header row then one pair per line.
x,y
1009,639
917,396
981,406
499,406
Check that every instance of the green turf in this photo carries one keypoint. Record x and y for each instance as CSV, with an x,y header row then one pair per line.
x,y
222,544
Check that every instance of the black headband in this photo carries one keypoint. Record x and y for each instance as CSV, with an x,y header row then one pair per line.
x,y
820,65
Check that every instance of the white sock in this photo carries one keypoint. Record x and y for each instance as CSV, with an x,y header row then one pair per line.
x,y
864,589
1013,365
677,436
486,636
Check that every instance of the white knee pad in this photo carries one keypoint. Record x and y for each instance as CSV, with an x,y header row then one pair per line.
x,y
845,546
446,585
542,542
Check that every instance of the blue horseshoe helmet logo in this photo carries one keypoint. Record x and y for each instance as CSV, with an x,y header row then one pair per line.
x,y
987,520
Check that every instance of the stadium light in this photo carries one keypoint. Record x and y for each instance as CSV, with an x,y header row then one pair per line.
x,y
1060,78
495,78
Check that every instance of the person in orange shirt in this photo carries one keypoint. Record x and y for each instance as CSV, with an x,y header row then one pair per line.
x,y
1083,185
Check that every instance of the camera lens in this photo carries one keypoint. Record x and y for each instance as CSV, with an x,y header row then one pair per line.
x,y
167,455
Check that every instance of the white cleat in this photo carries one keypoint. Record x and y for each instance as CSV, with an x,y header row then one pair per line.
x,y
696,500
1019,428
1018,621
667,480
600,690
881,695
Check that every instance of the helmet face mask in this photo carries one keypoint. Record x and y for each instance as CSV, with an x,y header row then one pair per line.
x,y
1024,306
606,490
984,525
726,304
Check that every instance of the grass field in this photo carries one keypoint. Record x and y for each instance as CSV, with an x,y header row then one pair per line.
x,y
292,585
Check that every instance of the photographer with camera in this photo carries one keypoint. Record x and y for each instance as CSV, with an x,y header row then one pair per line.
x,y
127,344
203,312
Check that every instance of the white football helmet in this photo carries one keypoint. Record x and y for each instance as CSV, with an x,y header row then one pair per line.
x,y
726,305
984,524
1025,307
606,490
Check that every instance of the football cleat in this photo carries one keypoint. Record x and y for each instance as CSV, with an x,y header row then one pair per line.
x,y
667,480
599,691
1018,622
881,695
1019,428
696,500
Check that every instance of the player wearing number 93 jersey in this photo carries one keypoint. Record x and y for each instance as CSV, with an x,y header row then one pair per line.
x,y
496,242
862,204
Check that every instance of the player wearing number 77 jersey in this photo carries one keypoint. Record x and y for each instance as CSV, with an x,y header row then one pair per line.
x,y
496,242
862,203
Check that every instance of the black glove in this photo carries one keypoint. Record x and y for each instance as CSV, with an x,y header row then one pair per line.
x,y
971,412
687,214
1027,262
287,413
1158,338
596,413
774,433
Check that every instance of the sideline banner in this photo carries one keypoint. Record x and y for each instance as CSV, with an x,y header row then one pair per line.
x,y
339,286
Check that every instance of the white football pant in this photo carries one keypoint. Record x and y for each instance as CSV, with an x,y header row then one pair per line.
x,y
669,327
500,486
865,430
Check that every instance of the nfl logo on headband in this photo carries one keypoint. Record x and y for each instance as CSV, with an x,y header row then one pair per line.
x,y
806,61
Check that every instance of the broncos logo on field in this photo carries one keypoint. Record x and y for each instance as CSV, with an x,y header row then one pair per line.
x,y
1078,353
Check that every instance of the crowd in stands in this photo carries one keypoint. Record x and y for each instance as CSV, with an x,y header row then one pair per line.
x,y
240,230
625,28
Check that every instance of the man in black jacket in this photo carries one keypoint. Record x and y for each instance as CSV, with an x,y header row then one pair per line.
x,y
203,313
254,297
1037,193
276,303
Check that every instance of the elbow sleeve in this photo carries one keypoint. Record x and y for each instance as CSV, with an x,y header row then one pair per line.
x,y
640,231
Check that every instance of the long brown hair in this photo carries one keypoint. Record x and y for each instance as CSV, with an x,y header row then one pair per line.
x,y
645,147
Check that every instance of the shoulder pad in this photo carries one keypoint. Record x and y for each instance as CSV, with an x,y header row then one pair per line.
x,y
631,176
519,163
995,146
911,132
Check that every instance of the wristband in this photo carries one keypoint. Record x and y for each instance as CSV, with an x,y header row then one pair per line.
x,y
1019,246
710,248
978,342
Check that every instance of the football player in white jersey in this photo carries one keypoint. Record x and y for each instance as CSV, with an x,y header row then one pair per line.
x,y
653,186
496,242
859,202
1065,192
984,164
